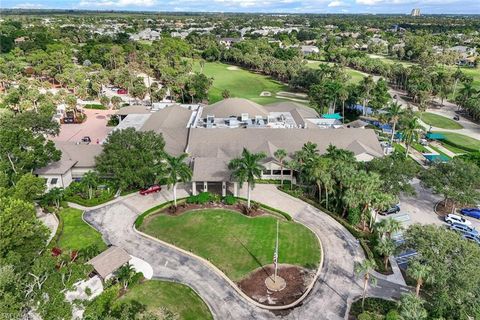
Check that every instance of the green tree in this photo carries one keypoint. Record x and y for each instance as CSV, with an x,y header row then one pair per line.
x,y
177,170
396,172
132,159
280,155
29,187
22,235
420,272
385,247
54,196
116,101
90,182
394,112
455,271
12,299
458,181
364,270
125,274
411,308
247,168
411,133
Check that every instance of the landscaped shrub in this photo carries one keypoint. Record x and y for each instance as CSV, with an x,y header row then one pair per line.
x,y
373,307
230,200
202,198
354,216
392,315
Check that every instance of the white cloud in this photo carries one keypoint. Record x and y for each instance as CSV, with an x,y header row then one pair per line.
x,y
29,6
118,3
336,3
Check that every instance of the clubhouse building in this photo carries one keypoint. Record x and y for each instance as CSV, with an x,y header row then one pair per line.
x,y
213,135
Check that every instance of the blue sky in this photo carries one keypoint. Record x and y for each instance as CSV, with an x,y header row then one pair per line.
x,y
289,6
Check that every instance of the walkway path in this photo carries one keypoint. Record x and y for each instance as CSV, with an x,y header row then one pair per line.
x,y
335,289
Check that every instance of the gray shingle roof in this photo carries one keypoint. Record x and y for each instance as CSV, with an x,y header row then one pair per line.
x,y
109,260
210,169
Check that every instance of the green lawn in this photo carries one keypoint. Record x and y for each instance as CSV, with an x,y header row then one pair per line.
x,y
236,244
76,233
176,297
391,60
355,76
461,140
241,83
438,121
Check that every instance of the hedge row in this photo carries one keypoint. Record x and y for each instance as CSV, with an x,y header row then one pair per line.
x,y
141,217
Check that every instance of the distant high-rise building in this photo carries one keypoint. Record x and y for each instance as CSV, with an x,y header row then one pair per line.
x,y
415,12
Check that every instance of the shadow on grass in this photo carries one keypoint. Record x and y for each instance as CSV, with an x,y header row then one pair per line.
x,y
253,256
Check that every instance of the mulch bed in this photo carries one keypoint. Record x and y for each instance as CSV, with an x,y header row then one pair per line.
x,y
444,207
184,207
297,280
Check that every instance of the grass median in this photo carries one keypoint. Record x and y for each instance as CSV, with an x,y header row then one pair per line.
x,y
235,243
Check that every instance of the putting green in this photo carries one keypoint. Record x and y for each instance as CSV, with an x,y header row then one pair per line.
x,y
235,243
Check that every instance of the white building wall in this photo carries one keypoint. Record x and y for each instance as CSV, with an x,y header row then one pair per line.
x,y
57,180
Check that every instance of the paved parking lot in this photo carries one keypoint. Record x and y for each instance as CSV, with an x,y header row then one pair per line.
x,y
95,127
420,208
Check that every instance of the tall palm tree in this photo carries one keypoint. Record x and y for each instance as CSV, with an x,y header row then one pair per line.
x,y
177,170
343,95
388,227
411,132
364,270
420,272
394,112
385,247
280,155
247,168
366,86
321,173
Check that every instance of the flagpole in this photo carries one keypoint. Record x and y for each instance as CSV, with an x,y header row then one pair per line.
x,y
275,257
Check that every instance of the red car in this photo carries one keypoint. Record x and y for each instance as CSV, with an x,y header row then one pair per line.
x,y
122,91
152,189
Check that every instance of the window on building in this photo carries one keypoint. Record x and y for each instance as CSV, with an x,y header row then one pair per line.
x,y
54,181
267,172
286,172
277,172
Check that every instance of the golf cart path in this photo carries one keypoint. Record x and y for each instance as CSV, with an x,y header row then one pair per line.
x,y
330,297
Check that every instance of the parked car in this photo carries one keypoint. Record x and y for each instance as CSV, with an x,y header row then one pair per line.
x,y
471,212
392,210
152,189
86,140
122,91
463,229
473,238
456,118
451,218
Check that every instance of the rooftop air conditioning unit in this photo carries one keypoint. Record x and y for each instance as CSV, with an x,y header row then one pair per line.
x,y
257,119
244,116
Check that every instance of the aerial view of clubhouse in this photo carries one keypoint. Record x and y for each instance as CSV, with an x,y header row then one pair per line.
x,y
212,135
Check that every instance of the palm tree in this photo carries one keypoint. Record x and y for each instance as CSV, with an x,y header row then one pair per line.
x,y
321,173
55,195
420,272
411,133
411,308
177,170
394,112
125,274
90,181
343,95
280,155
247,168
387,227
365,269
366,86
385,247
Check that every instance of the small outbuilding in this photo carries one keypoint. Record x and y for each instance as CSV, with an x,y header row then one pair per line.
x,y
109,261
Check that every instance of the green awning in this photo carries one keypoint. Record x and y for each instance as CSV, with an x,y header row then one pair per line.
x,y
435,136
336,116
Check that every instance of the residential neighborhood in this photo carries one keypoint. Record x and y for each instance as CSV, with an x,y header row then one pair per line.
x,y
267,163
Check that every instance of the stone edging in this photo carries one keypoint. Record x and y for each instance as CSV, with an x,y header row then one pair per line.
x,y
238,290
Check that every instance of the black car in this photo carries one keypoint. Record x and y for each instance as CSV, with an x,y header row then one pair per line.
x,y
456,118
86,140
392,210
